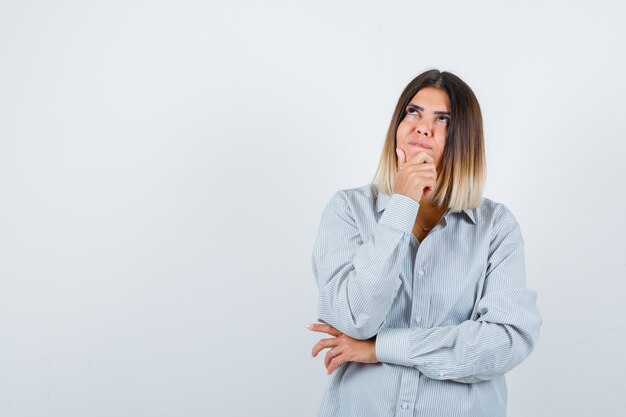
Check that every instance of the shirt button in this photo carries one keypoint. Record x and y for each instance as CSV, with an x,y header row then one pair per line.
x,y
442,374
418,319
421,272
404,405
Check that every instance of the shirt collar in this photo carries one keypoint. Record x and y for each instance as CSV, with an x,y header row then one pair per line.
x,y
383,199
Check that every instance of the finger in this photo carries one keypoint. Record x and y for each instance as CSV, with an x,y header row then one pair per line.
x,y
323,344
430,187
401,157
425,172
328,358
424,178
331,354
335,363
324,328
421,157
421,166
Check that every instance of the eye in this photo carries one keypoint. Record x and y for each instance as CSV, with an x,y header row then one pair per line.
x,y
445,119
412,111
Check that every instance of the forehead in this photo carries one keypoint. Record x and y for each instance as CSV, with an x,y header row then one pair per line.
x,y
432,99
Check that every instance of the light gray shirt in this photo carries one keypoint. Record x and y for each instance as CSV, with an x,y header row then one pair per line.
x,y
451,314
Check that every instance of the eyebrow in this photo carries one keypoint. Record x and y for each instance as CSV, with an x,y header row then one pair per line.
x,y
420,108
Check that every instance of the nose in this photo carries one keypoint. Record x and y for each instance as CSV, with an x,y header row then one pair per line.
x,y
424,128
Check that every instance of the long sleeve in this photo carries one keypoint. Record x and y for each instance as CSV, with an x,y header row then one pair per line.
x,y
502,332
359,280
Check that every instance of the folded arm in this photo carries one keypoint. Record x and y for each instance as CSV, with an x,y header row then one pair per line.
x,y
359,280
503,333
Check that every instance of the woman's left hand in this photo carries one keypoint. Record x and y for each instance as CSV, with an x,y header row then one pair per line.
x,y
344,348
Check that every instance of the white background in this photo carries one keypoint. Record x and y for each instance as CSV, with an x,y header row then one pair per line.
x,y
164,165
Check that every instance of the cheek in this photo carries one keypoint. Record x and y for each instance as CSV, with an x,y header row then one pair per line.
x,y
440,137
441,143
400,133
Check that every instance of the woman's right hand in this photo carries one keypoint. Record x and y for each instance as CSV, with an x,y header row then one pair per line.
x,y
417,176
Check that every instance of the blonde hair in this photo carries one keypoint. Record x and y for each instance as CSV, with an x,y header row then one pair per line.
x,y
462,170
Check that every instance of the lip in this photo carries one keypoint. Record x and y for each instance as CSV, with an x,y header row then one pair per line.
x,y
418,144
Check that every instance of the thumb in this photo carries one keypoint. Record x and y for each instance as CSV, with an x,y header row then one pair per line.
x,y
401,157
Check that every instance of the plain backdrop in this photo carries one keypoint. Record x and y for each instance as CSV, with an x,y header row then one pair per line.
x,y
164,166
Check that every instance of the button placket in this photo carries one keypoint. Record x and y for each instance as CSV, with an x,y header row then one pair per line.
x,y
406,396
417,319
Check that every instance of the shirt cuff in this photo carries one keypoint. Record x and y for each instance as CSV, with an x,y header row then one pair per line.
x,y
393,345
400,213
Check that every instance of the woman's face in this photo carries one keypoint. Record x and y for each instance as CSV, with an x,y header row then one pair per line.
x,y
425,124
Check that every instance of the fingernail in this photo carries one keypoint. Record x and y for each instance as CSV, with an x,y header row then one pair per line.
x,y
309,326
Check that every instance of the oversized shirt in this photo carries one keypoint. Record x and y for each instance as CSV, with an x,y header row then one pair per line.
x,y
451,314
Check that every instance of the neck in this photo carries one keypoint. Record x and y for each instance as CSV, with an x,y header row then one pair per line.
x,y
430,207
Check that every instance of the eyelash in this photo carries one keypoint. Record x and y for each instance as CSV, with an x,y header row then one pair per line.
x,y
408,109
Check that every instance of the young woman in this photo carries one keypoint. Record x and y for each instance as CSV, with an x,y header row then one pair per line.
x,y
422,280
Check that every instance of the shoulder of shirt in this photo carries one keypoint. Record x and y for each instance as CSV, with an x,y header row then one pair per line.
x,y
367,191
362,195
489,210
497,213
